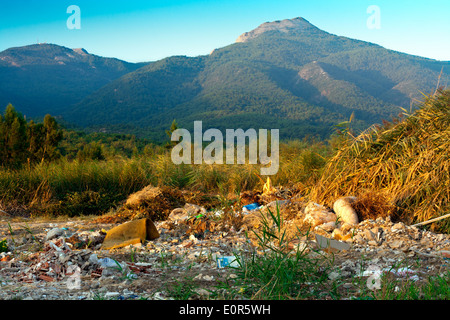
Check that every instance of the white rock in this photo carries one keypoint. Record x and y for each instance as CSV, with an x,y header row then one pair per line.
x,y
202,292
312,206
54,233
333,275
344,210
328,226
319,217
178,214
112,294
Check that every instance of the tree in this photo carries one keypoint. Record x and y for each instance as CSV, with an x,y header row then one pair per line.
x,y
22,142
91,151
35,136
53,135
13,138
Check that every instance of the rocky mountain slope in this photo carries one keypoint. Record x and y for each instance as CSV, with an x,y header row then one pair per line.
x,y
47,78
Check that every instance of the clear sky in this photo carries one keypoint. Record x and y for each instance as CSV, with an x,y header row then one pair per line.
x,y
148,30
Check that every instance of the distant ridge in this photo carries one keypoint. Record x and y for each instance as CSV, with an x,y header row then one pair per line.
x,y
285,74
48,78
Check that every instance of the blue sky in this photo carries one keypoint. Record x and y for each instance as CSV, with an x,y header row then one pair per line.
x,y
138,30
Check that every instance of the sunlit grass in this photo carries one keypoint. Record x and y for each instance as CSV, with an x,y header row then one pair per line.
x,y
408,160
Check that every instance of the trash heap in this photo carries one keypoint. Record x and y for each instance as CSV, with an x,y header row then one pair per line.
x,y
62,259
209,241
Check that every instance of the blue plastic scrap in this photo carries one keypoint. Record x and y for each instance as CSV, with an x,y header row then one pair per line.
x,y
251,207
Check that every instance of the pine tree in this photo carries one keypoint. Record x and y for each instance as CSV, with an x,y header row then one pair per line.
x,y
22,142
13,138
53,135
35,135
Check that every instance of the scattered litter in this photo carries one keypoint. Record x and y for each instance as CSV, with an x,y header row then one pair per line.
x,y
227,261
104,262
403,272
331,244
376,272
193,237
55,233
251,207
131,232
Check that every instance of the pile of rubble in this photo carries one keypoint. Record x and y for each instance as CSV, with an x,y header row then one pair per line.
x,y
69,260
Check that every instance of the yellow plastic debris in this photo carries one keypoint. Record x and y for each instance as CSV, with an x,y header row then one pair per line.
x,y
268,189
131,232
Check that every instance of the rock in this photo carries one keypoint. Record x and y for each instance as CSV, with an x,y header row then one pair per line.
x,y
193,209
333,275
109,295
277,203
319,217
369,235
344,210
181,214
178,214
328,226
396,244
55,233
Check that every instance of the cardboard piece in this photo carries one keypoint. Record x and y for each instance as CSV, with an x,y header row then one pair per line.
x,y
131,232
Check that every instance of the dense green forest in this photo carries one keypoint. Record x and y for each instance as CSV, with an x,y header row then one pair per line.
x,y
30,143
24,142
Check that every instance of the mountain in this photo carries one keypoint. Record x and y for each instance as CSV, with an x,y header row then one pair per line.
x,y
287,75
47,78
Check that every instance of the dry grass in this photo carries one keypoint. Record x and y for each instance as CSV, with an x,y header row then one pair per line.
x,y
404,165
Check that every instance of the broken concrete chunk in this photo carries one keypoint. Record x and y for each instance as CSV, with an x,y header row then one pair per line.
x,y
193,209
55,233
319,217
328,226
178,214
312,206
189,210
131,232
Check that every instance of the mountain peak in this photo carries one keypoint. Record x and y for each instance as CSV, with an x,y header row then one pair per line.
x,y
286,26
81,51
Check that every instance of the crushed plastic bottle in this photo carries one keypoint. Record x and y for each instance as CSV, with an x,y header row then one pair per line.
x,y
250,207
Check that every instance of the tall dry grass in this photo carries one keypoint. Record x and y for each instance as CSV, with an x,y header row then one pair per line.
x,y
94,187
405,162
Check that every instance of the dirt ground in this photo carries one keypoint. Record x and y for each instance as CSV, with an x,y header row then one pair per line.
x,y
182,264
